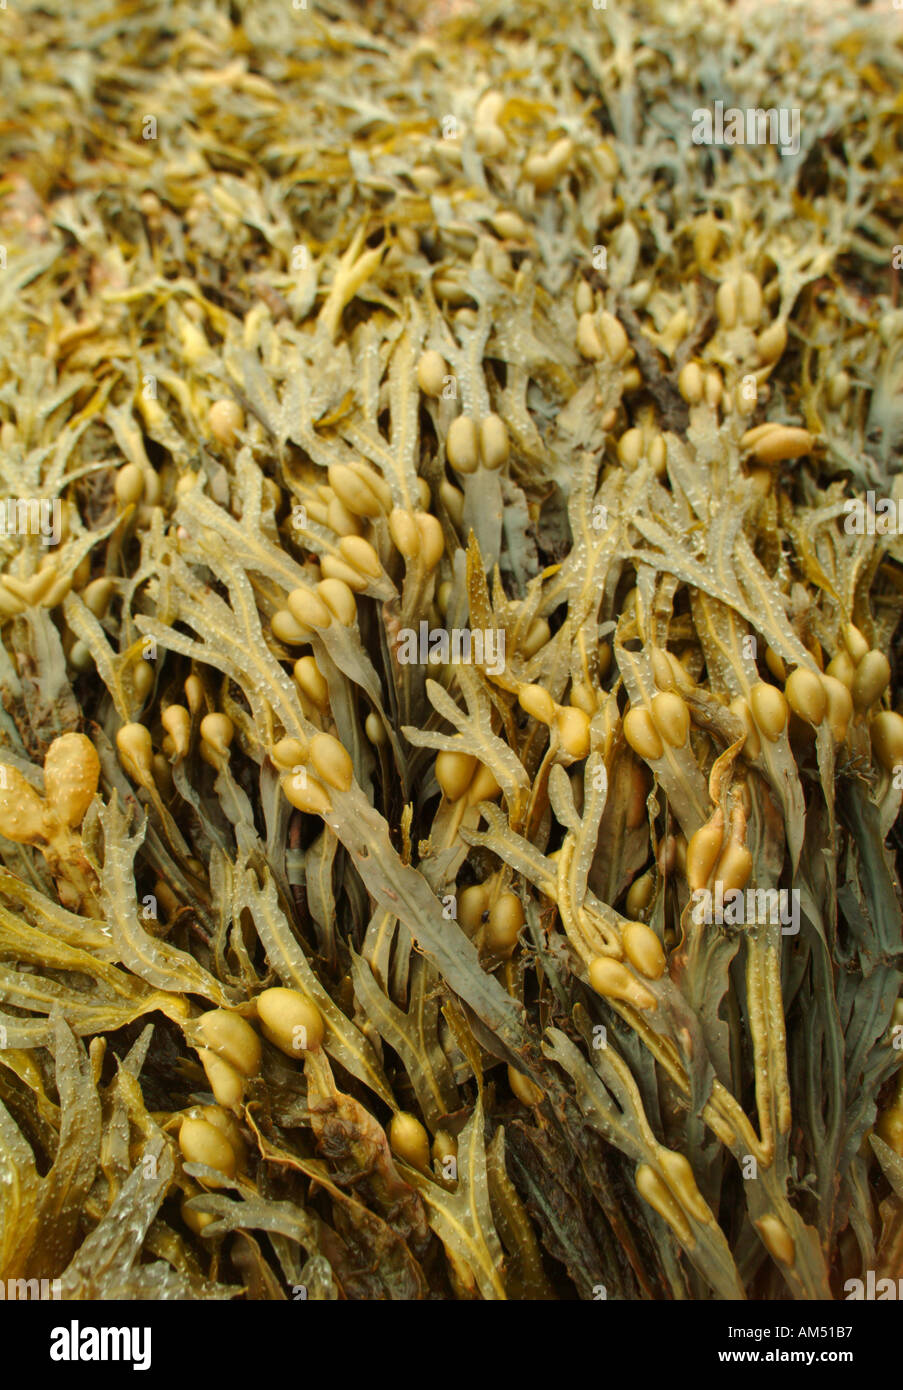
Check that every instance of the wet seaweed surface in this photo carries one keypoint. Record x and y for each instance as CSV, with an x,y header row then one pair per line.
x,y
449,588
